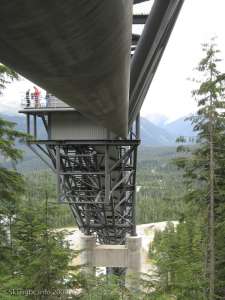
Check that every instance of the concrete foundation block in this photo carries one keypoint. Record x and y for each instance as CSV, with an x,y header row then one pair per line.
x,y
133,262
118,256
88,244
111,256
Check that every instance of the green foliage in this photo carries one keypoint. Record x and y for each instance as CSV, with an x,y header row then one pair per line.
x,y
104,287
11,182
179,256
6,76
32,254
41,186
205,171
43,255
161,186
111,287
185,255
11,189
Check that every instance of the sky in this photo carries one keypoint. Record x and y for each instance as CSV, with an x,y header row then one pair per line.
x,y
170,91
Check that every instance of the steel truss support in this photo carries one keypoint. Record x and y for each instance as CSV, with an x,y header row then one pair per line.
x,y
98,182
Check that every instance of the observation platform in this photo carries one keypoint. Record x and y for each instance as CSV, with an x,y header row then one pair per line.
x,y
43,105
95,170
61,121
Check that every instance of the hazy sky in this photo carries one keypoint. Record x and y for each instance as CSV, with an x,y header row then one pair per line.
x,y
170,91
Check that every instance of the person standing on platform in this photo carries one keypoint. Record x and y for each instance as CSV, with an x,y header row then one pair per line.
x,y
47,99
37,94
28,98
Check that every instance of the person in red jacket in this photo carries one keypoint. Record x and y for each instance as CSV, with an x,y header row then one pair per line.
x,y
37,94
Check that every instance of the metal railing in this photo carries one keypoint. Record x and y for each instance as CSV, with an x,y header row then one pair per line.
x,y
42,102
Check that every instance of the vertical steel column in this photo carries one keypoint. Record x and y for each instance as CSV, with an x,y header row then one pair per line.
x,y
137,127
107,175
58,168
134,231
35,126
28,123
49,125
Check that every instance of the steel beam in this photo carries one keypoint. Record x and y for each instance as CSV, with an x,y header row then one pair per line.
x,y
35,126
149,51
135,39
140,1
139,19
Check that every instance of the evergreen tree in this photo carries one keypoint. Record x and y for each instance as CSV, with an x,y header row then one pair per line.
x,y
178,255
203,168
11,184
32,254
6,76
207,166
44,255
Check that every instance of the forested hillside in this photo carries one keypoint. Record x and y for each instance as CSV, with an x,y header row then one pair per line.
x,y
160,186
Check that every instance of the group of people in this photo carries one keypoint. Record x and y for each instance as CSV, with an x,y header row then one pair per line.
x,y
36,97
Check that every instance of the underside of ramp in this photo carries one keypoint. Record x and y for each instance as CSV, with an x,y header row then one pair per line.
x,y
77,50
84,52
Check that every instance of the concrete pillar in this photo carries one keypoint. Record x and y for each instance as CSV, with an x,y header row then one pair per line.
x,y
88,244
133,262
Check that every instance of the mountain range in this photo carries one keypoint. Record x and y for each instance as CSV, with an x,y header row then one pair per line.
x,y
151,134
180,127
165,134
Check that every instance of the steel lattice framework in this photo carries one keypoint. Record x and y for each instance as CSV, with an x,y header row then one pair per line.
x,y
97,180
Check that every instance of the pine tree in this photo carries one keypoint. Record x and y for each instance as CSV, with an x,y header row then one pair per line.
x,y
203,168
7,75
178,255
209,158
43,253
11,182
11,187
